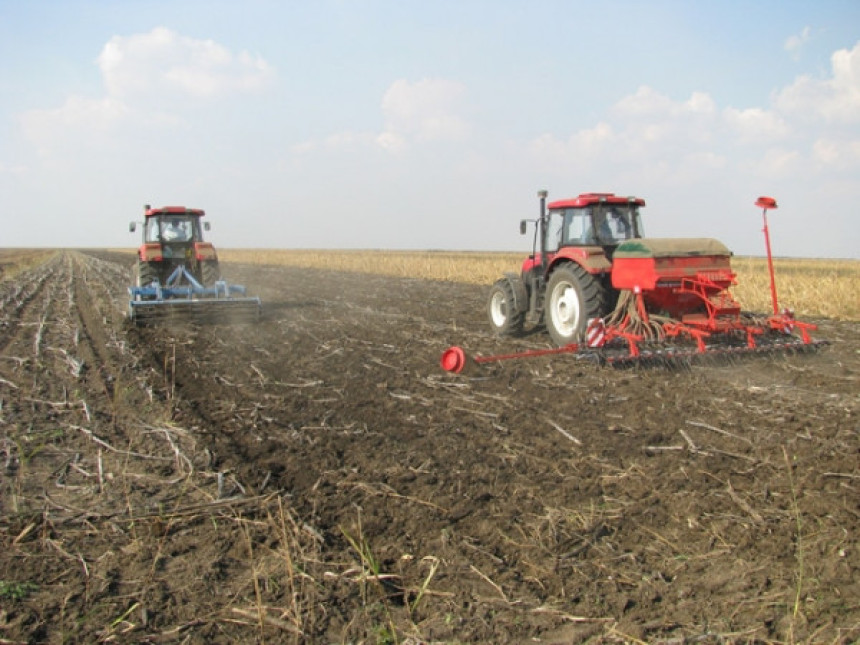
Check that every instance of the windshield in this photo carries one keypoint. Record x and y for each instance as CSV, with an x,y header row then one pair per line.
x,y
604,225
171,228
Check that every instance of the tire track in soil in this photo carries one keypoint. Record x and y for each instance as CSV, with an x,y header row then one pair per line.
x,y
97,324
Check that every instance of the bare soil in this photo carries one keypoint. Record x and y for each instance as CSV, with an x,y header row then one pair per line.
x,y
317,478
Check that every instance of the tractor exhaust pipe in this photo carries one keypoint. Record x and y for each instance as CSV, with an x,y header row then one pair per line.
x,y
543,259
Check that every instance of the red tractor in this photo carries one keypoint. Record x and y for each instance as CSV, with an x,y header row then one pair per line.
x,y
593,278
173,237
177,274
567,279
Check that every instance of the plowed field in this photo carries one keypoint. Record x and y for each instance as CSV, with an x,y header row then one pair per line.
x,y
317,478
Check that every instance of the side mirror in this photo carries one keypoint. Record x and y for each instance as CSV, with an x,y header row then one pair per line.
x,y
132,226
206,226
523,226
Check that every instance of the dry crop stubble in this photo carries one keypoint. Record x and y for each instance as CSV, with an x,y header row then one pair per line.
x,y
14,261
542,500
810,287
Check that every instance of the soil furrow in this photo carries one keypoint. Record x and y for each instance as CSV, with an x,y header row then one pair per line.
x,y
22,297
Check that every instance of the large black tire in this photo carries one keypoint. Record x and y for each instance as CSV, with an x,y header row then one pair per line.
x,y
209,273
573,296
506,317
144,274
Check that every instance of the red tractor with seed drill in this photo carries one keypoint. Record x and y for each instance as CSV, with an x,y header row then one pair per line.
x,y
601,288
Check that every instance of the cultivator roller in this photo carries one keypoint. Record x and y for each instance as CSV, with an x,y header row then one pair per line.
x,y
182,297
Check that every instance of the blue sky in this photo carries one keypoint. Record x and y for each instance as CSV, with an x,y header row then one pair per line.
x,y
428,125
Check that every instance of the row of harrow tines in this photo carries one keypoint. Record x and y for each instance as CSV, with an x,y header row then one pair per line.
x,y
630,337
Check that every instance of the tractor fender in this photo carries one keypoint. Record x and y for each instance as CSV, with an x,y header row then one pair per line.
x,y
518,287
592,259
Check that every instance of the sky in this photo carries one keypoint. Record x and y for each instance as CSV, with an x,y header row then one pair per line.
x,y
408,124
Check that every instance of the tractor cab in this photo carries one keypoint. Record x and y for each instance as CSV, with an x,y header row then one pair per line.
x,y
172,225
585,229
592,219
170,228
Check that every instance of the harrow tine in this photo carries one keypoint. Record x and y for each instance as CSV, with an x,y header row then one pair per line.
x,y
670,357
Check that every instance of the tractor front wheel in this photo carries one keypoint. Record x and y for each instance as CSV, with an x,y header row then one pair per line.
x,y
573,296
506,319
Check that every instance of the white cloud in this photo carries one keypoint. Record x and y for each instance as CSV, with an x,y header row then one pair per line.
x,y
807,128
13,169
579,150
776,163
802,144
348,139
426,110
647,129
164,62
834,99
793,44
647,102
48,128
755,124
94,114
391,141
303,148
595,138
649,119
413,112
150,79
707,159
837,154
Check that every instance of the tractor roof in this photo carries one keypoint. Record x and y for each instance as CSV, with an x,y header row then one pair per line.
x,y
174,210
587,199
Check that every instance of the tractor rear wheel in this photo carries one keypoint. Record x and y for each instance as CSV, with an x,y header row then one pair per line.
x,y
573,296
209,273
505,318
144,274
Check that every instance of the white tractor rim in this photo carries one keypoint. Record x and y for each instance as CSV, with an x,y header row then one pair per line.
x,y
564,309
498,310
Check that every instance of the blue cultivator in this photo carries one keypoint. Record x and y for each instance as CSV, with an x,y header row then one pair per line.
x,y
182,297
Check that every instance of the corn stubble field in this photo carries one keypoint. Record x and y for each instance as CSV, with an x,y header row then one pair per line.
x,y
812,287
317,478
